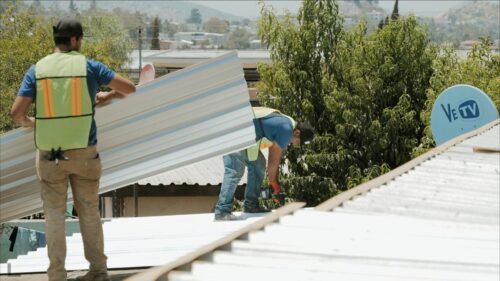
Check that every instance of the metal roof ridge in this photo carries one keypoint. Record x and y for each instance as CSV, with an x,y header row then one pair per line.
x,y
382,179
156,272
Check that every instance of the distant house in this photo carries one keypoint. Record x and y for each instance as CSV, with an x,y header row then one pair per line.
x,y
214,40
255,44
167,44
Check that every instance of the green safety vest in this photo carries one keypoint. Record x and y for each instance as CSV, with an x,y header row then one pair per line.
x,y
63,108
261,112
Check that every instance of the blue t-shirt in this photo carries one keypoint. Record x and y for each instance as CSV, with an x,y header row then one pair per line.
x,y
97,74
276,128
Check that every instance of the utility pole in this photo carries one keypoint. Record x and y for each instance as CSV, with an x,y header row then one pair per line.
x,y
140,49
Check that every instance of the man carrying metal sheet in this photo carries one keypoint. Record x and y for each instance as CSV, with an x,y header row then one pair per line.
x,y
275,131
63,86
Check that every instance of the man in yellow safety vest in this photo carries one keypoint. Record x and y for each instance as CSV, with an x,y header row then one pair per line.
x,y
275,131
63,86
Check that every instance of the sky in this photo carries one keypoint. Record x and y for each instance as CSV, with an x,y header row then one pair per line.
x,y
250,9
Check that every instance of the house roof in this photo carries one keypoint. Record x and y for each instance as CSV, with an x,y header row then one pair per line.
x,y
184,58
206,172
434,218
168,123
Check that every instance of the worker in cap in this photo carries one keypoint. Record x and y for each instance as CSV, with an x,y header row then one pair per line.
x,y
274,130
63,86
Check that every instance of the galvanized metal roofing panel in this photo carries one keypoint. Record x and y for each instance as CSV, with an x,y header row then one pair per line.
x,y
436,219
207,172
182,118
137,242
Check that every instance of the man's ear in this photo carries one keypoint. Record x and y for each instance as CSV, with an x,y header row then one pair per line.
x,y
296,133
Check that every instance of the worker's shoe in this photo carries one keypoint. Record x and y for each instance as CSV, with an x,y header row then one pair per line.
x,y
227,217
94,276
255,209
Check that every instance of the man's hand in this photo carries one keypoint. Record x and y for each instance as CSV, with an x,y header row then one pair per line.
x,y
104,98
19,110
29,122
279,194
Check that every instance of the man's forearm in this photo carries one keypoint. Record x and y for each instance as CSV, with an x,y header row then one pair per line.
x,y
273,163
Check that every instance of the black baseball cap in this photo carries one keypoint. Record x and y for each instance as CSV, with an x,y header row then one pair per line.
x,y
306,132
67,28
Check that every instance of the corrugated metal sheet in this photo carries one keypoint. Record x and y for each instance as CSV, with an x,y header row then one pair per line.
x,y
207,172
137,242
437,219
182,118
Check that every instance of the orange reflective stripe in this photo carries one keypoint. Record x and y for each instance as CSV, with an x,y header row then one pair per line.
x,y
73,97
49,95
45,98
78,96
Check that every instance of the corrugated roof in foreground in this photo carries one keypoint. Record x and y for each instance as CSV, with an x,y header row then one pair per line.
x,y
434,218
187,116
137,242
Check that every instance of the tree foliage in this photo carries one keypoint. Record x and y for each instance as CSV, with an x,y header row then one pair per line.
x,y
363,94
24,40
217,25
238,39
155,41
195,17
481,68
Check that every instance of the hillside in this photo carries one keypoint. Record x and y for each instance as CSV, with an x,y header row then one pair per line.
x,y
177,11
473,12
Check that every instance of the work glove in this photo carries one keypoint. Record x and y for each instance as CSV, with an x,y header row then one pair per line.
x,y
274,192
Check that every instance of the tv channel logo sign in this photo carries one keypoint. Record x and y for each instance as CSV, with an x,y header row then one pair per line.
x,y
460,109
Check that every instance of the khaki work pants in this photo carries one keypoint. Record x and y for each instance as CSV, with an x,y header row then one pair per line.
x,y
83,171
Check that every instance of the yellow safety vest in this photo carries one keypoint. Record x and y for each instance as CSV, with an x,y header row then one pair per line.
x,y
64,109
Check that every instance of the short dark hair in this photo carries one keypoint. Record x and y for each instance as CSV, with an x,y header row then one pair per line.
x,y
62,41
306,132
66,28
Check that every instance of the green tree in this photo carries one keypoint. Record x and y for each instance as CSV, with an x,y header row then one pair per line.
x,y
73,9
395,11
217,25
195,17
481,69
106,39
131,21
155,41
170,28
238,39
361,92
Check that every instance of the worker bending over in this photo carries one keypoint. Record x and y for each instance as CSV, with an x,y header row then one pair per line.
x,y
275,131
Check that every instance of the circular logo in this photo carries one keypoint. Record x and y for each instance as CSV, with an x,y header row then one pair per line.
x,y
458,110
